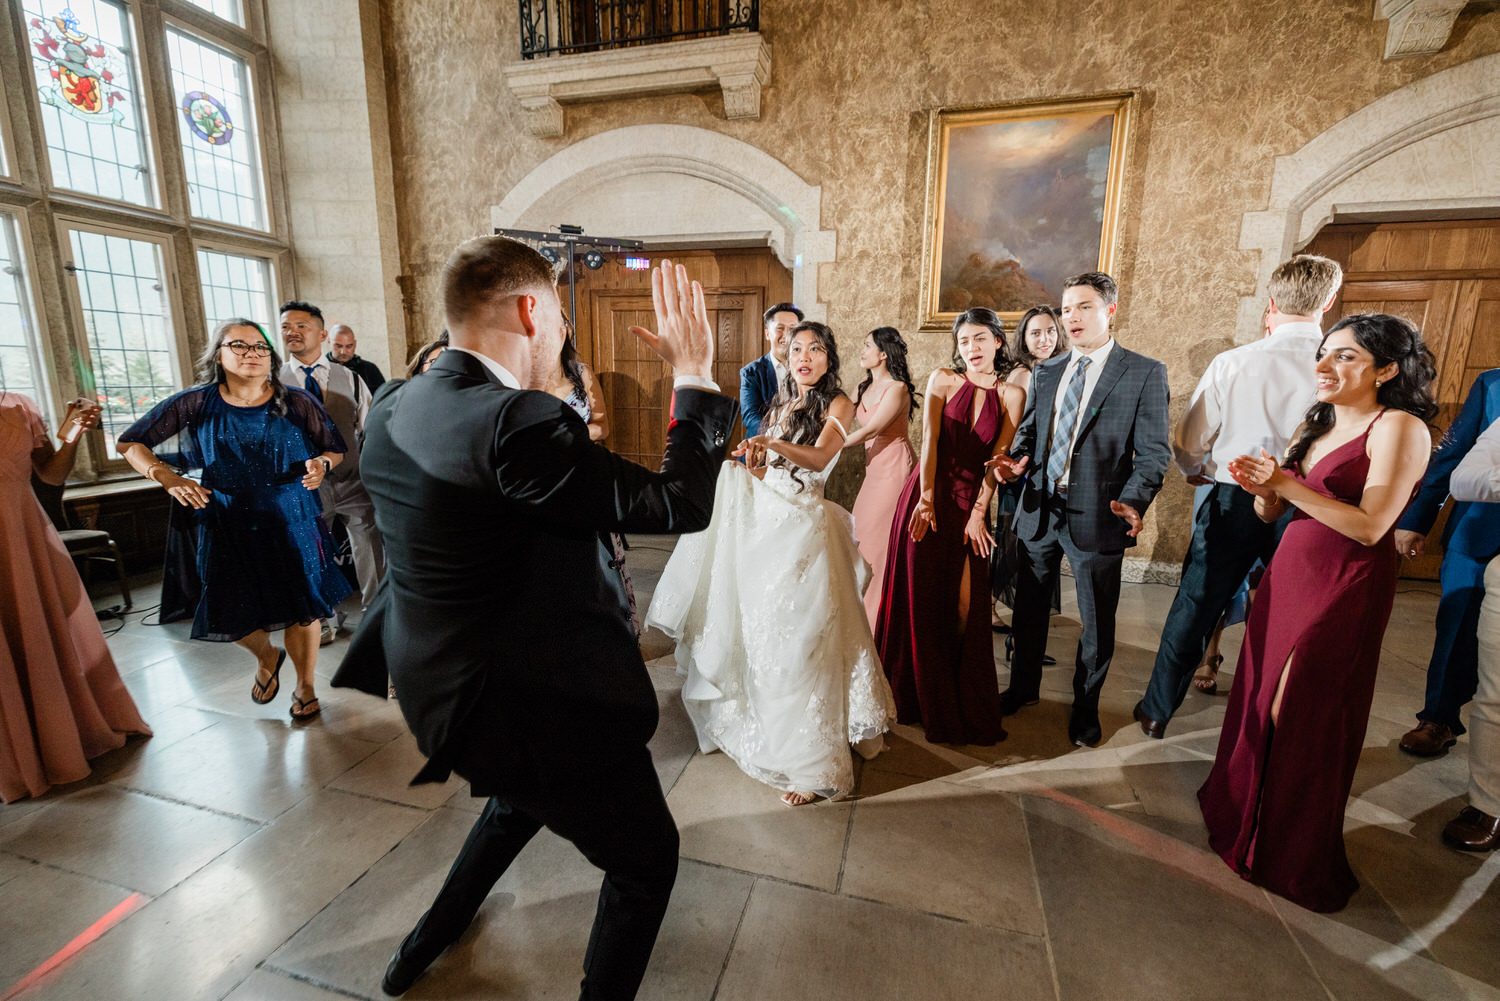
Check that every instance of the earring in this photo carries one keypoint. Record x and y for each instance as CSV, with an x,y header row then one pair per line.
x,y
1377,383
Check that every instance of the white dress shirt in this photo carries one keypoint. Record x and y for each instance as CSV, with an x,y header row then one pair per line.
x,y
1477,476
1251,397
1090,379
322,370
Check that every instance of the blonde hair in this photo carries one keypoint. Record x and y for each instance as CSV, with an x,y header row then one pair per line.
x,y
1303,285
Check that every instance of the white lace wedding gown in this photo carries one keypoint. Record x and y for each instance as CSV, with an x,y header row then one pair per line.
x,y
765,606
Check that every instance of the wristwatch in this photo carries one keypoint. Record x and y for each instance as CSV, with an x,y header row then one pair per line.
x,y
327,465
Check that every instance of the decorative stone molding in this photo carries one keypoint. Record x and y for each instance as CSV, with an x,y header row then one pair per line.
x,y
1417,27
1425,148
739,65
676,185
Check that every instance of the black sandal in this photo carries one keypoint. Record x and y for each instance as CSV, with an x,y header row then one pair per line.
x,y
264,691
309,708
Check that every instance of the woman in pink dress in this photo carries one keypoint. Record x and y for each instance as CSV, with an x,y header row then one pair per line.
x,y
61,700
883,406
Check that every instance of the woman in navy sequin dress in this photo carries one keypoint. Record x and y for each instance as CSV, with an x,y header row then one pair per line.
x,y
264,553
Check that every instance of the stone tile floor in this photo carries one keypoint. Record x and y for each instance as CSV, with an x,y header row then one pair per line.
x,y
235,855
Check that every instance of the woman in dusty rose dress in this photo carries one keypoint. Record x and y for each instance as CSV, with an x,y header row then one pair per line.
x,y
1295,725
883,406
933,631
61,700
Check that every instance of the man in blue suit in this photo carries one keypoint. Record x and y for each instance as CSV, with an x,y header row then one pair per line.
x,y
1472,539
762,379
1093,448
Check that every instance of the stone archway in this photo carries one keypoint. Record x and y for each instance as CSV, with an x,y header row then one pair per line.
x,y
1427,150
679,185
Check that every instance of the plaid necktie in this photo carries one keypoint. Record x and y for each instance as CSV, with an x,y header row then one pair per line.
x,y
1067,421
317,390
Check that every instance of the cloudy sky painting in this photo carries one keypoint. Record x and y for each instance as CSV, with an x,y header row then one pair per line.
x,y
1032,192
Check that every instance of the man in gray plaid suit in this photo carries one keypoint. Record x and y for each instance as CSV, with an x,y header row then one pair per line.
x,y
1093,447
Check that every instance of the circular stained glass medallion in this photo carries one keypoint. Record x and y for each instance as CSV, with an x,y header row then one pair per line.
x,y
208,119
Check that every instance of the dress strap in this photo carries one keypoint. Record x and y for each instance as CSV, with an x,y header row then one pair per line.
x,y
871,406
836,423
1370,426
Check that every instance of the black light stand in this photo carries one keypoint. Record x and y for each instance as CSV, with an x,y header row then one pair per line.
x,y
573,238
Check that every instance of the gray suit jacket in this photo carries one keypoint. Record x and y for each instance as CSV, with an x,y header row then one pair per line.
x,y
1121,452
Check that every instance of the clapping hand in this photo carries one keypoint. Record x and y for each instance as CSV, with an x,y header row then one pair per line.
x,y
82,414
683,337
1260,476
1006,468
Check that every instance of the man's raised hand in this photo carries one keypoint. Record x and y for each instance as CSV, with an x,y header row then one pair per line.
x,y
683,337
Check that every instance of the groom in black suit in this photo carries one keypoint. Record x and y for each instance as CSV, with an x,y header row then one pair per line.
x,y
501,621
1095,436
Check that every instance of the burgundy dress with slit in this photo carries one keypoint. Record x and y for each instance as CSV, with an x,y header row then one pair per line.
x,y
1274,801
942,676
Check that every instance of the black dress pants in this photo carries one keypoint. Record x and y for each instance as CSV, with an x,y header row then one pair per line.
x,y
610,806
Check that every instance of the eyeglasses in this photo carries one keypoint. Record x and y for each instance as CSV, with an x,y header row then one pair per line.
x,y
243,348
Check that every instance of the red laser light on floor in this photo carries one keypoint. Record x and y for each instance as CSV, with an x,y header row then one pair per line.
x,y
118,913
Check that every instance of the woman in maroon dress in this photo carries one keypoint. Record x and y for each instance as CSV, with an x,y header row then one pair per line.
x,y
1274,801
933,629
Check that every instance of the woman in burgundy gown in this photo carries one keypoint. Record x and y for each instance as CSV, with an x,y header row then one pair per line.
x,y
1274,800
933,628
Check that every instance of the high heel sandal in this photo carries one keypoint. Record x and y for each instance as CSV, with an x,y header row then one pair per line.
x,y
1206,678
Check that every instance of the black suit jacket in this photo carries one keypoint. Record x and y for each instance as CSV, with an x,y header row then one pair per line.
x,y
500,621
1121,452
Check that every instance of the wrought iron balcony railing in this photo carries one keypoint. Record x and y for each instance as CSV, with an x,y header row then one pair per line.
x,y
564,27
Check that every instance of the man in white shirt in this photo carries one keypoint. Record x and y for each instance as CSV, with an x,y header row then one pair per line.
x,y
347,399
1251,397
1477,827
1093,448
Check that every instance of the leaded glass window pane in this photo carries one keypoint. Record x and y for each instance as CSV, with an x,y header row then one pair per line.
x,y
90,99
236,286
21,368
219,137
229,10
122,291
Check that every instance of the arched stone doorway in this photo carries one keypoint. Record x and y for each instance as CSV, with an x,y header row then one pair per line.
x,y
1429,150
680,186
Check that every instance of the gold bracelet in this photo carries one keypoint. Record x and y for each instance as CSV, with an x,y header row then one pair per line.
x,y
152,469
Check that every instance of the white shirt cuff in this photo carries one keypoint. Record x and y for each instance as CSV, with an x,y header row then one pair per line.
x,y
694,382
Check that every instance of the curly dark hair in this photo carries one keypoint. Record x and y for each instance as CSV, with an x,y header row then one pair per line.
x,y
211,371
982,317
889,341
1020,354
803,423
1388,339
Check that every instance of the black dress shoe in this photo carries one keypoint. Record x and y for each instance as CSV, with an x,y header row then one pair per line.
x,y
1083,727
1473,830
410,961
1012,701
1149,726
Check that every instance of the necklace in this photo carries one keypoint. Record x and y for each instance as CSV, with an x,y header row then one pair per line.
x,y
241,401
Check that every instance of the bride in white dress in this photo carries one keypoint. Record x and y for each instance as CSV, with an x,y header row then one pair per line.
x,y
765,604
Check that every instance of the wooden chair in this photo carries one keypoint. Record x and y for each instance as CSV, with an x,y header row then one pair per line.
x,y
82,543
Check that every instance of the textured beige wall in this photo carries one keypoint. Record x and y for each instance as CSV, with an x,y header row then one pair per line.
x,y
1224,89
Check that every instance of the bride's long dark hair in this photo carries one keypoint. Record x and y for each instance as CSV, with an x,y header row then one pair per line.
x,y
1388,339
803,423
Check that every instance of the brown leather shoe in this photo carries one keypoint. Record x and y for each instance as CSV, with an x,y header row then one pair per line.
x,y
1428,739
1149,726
1472,831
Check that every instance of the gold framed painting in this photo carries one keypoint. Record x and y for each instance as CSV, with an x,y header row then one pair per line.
x,y
1019,197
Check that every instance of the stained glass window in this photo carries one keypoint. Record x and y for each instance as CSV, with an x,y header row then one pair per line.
x,y
218,131
91,109
122,292
229,10
21,369
236,286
